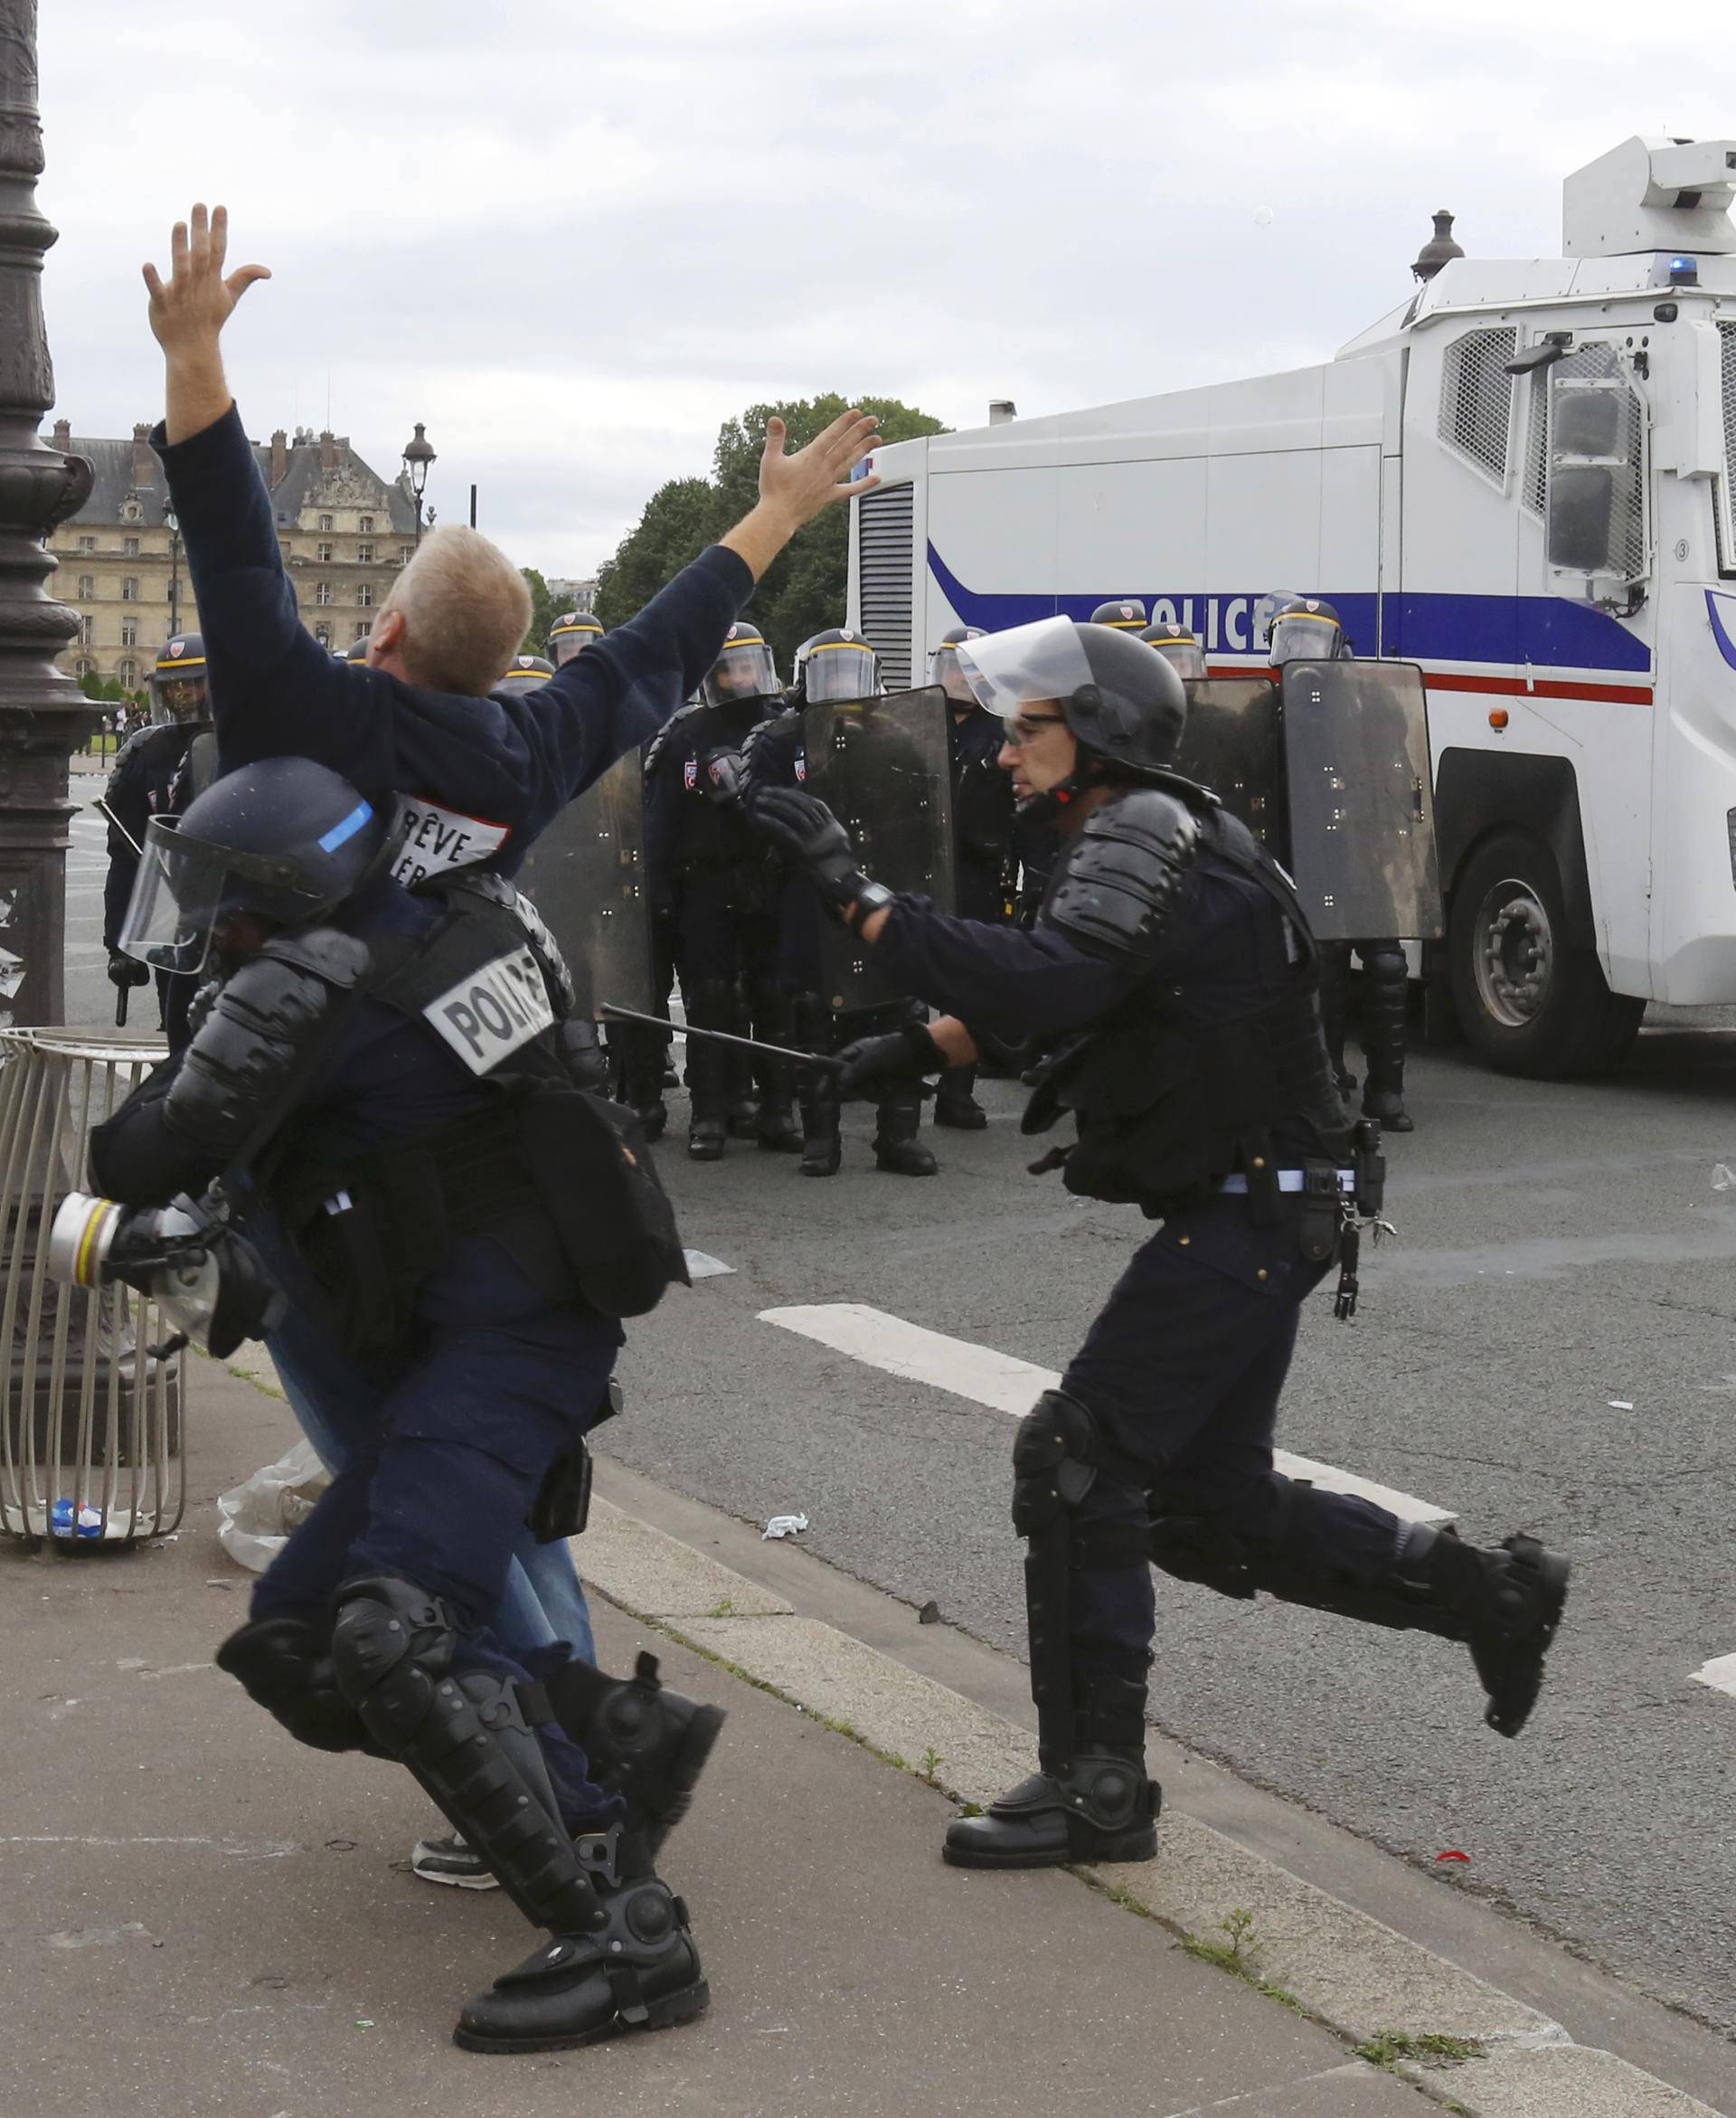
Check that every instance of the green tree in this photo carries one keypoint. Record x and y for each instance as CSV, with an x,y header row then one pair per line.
x,y
544,611
805,587
680,520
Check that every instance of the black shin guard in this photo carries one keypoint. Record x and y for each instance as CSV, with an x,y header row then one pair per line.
x,y
285,1665
1385,989
466,1739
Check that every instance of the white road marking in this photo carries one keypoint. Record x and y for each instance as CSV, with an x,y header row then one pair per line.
x,y
1720,1674
1005,1383
701,1265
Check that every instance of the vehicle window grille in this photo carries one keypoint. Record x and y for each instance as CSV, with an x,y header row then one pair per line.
x,y
1613,442
1476,399
1726,482
1537,442
885,523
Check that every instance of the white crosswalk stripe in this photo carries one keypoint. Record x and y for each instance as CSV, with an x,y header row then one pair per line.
x,y
1720,1674
1005,1383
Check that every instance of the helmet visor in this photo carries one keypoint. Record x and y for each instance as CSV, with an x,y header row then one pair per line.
x,y
946,672
187,892
840,670
1183,657
564,646
744,670
180,698
1305,635
1011,670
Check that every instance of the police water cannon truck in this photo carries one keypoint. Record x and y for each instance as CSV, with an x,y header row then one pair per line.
x,y
1523,481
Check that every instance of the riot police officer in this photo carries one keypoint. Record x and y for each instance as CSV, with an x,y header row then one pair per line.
x,y
1121,614
143,785
1172,974
378,1086
982,829
722,890
525,672
832,668
1306,629
570,634
1179,646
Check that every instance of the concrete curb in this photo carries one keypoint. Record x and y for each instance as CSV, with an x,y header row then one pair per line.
x,y
1361,1977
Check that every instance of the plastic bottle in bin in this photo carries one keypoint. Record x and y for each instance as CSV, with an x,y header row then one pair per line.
x,y
66,1521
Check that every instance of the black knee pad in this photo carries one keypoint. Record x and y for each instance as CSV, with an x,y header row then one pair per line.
x,y
285,1665
1054,1460
1199,1548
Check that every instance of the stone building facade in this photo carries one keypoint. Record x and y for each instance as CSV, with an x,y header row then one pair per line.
x,y
344,531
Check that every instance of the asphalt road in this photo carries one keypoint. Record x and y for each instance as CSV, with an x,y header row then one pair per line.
x,y
1552,1345
1563,1247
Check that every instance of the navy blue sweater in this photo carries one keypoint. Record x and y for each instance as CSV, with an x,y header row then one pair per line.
x,y
510,763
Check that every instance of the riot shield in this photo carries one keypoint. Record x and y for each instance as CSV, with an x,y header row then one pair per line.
x,y
1362,803
1231,745
882,766
587,876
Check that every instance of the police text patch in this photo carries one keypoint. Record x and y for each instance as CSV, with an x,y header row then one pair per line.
x,y
487,1016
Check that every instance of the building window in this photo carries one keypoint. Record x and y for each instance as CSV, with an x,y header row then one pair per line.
x,y
323,634
323,552
322,593
127,672
87,587
129,547
366,524
129,632
364,554
365,629
83,635
406,553
324,522
364,595
129,589
84,667
87,543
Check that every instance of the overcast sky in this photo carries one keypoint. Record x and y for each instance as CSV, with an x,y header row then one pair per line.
x,y
574,236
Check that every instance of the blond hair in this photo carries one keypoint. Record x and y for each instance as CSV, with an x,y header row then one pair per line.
x,y
465,608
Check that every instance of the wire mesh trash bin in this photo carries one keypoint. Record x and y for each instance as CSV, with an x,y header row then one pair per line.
x,y
91,1418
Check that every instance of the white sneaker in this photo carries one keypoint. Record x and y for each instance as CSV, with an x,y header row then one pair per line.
x,y
451,1861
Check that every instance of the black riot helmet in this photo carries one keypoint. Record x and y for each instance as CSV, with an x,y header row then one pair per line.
x,y
837,666
527,673
1178,646
1124,702
1125,614
744,669
180,693
1304,629
570,634
943,667
278,844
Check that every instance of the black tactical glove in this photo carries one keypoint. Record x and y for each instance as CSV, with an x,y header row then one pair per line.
x,y
805,830
126,970
870,1063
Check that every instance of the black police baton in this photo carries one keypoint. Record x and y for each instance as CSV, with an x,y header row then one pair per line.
x,y
823,1060
121,993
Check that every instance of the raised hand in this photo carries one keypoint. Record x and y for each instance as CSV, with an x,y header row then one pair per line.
x,y
803,484
188,311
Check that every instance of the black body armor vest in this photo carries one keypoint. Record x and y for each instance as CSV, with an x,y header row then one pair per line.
x,y
1168,1104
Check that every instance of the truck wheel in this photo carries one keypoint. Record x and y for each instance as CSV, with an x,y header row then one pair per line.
x,y
1529,1002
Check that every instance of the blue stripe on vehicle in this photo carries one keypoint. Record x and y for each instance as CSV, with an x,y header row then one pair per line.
x,y
1723,623
348,829
1508,632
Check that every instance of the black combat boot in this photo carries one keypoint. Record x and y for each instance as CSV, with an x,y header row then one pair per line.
x,y
742,1096
644,1742
897,1148
1385,989
1099,1804
955,1104
637,1969
641,1074
708,1007
775,1128
1505,1605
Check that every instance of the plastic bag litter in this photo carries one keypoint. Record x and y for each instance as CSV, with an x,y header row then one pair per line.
x,y
254,1518
784,1526
1723,1177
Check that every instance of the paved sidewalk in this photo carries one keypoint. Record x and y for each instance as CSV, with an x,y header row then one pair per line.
x,y
202,1918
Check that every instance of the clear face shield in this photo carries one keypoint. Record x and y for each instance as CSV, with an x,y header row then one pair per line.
x,y
945,671
190,897
744,670
1305,635
842,670
564,646
1184,656
1009,671
180,698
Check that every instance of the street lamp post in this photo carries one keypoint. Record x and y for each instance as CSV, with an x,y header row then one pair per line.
x,y
418,456
172,524
43,715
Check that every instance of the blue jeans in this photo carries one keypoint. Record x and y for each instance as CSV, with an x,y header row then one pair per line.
x,y
337,1408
